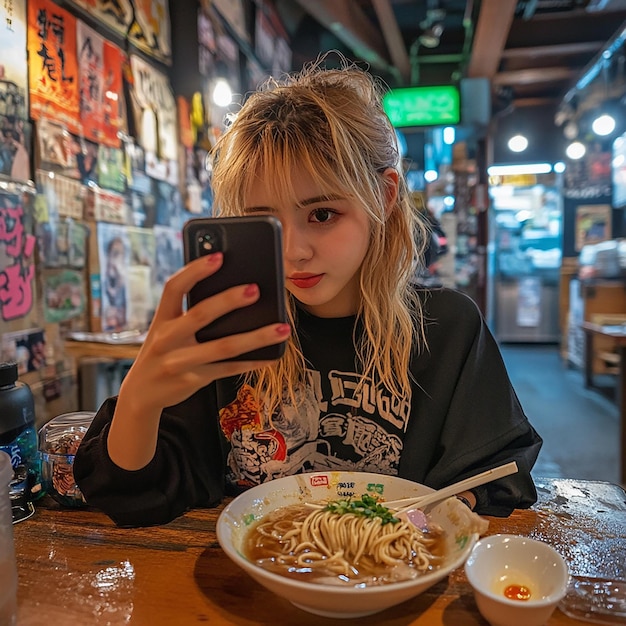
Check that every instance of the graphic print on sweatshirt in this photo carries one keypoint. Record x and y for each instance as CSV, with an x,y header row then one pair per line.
x,y
332,427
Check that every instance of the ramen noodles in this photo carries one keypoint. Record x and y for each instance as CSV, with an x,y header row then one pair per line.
x,y
347,541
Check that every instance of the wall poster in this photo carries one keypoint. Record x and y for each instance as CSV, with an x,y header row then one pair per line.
x,y
593,224
145,23
17,247
15,145
52,65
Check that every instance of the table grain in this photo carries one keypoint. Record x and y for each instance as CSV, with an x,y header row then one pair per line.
x,y
76,568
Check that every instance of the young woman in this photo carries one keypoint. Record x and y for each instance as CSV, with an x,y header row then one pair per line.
x,y
378,375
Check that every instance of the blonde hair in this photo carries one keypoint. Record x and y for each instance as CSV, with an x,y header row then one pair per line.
x,y
331,124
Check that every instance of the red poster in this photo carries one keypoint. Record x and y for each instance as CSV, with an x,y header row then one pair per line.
x,y
114,109
52,65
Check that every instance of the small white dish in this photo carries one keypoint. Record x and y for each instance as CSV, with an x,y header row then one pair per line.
x,y
517,581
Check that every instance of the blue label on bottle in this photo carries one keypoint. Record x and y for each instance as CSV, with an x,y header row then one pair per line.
x,y
15,452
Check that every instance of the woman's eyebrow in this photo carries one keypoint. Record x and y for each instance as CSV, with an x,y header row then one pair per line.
x,y
301,203
316,199
258,209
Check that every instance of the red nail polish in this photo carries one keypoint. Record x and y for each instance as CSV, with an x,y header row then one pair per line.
x,y
251,290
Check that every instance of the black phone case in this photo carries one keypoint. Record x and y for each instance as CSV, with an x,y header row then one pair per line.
x,y
252,248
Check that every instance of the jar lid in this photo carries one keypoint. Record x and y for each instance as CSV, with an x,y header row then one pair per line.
x,y
8,373
66,426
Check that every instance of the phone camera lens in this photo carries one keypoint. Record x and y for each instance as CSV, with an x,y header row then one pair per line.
x,y
206,242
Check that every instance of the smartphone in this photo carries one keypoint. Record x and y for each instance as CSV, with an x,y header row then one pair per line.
x,y
253,253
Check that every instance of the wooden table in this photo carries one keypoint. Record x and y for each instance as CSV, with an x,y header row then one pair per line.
x,y
75,567
619,338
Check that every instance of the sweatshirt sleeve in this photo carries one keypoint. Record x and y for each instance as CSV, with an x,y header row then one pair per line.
x,y
469,418
186,470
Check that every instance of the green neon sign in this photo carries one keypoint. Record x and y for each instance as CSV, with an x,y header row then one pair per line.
x,y
423,106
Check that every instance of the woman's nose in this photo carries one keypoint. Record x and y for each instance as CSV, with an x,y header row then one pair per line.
x,y
296,245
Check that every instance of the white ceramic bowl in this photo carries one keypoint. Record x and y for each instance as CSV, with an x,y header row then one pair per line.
x,y
326,599
500,561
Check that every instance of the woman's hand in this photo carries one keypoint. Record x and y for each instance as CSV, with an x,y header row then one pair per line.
x,y
172,365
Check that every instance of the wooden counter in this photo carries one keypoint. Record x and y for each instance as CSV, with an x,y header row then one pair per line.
x,y
593,331
82,349
75,567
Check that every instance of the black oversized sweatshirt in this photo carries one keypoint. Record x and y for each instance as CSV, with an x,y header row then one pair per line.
x,y
463,417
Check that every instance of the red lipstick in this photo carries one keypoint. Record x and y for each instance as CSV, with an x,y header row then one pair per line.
x,y
305,281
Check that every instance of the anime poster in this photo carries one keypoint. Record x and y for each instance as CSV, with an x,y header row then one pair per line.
x,y
145,23
64,296
140,277
90,51
17,246
114,260
154,111
16,131
52,66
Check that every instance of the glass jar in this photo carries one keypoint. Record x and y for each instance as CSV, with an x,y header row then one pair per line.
x,y
58,442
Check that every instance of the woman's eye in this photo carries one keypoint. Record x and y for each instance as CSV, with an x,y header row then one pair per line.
x,y
322,215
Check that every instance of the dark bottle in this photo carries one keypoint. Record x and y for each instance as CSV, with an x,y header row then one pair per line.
x,y
18,437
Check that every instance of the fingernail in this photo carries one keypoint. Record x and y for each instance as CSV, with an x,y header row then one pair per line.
x,y
283,330
214,258
251,291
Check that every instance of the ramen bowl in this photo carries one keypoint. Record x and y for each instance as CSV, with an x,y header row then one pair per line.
x,y
334,599
517,581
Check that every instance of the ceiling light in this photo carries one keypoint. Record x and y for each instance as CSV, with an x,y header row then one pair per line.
x,y
431,37
518,143
432,26
575,150
513,170
222,93
603,125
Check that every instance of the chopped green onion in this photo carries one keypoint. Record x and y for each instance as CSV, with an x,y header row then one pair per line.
x,y
366,506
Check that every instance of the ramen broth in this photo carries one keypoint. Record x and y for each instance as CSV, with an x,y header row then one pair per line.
x,y
267,550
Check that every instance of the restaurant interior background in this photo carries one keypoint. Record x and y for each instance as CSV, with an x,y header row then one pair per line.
x,y
108,110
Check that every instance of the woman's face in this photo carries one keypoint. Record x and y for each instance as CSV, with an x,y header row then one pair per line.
x,y
324,244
